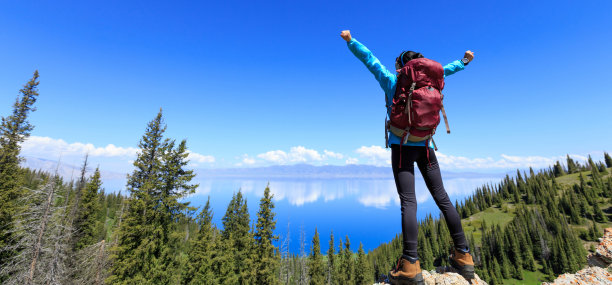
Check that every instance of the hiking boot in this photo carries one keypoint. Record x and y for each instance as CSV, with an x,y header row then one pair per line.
x,y
406,272
462,262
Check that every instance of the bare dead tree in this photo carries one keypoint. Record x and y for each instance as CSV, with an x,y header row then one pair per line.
x,y
304,278
94,264
285,270
186,231
41,230
123,203
40,239
53,262
100,262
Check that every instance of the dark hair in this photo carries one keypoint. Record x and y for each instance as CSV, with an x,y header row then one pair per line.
x,y
407,56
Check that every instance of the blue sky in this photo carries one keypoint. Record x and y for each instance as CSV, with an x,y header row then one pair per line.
x,y
251,83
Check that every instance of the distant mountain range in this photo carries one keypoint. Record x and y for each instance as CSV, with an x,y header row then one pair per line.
x,y
296,171
323,172
67,171
111,180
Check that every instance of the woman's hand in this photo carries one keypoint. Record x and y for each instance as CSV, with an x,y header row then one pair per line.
x,y
346,35
469,55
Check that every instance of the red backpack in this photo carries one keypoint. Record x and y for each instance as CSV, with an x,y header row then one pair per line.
x,y
415,113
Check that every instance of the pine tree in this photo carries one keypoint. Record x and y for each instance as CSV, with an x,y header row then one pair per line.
x,y
264,236
558,170
234,264
363,275
572,264
591,162
527,258
147,242
199,268
571,165
483,273
550,275
608,159
596,176
598,213
75,199
331,261
602,168
315,262
348,264
515,254
497,272
608,188
425,253
342,276
505,266
86,224
14,129
223,263
594,232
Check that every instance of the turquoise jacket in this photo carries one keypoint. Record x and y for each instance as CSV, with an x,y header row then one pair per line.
x,y
387,80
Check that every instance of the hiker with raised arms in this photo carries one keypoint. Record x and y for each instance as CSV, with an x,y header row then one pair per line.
x,y
414,100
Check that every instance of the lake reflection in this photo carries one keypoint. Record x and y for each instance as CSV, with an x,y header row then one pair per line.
x,y
367,210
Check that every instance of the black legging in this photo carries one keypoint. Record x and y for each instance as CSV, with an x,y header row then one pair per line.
x,y
404,180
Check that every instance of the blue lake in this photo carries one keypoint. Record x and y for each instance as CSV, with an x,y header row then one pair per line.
x,y
367,210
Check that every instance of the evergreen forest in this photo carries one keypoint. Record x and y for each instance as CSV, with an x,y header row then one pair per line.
x,y
528,228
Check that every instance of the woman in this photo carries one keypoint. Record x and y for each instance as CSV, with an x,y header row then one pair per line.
x,y
408,270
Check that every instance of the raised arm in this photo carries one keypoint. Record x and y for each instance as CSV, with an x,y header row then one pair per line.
x,y
385,78
458,65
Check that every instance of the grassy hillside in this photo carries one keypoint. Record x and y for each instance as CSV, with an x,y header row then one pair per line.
x,y
524,230
503,215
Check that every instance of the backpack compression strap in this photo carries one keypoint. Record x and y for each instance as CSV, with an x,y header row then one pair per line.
x,y
409,99
444,114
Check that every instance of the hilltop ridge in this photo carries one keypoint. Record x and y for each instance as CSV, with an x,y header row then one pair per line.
x,y
526,229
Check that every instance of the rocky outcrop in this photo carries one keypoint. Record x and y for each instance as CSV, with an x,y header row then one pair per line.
x,y
446,275
589,276
599,271
600,264
604,249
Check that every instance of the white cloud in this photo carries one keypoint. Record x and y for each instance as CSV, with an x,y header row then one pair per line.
x,y
201,158
295,154
46,147
276,156
376,155
49,147
302,154
245,160
505,162
248,161
351,160
381,156
327,153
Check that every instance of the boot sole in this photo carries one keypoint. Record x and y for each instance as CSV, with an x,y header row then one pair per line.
x,y
467,271
400,280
